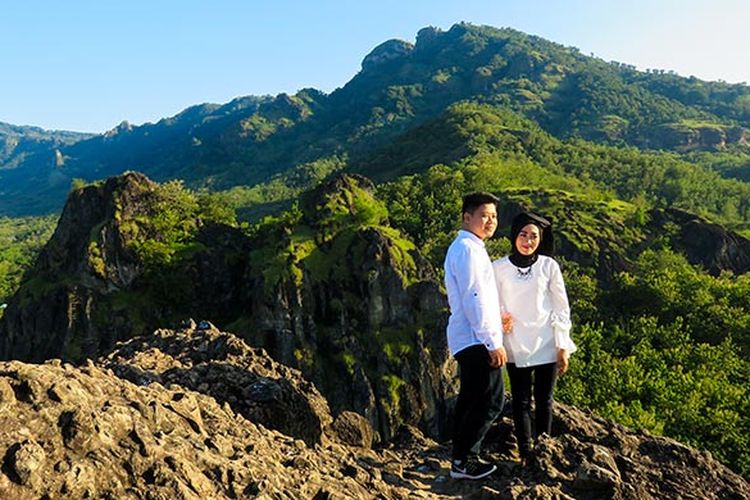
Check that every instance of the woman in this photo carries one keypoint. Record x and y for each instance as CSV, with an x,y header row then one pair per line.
x,y
536,323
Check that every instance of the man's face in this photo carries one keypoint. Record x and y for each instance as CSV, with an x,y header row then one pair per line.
x,y
482,222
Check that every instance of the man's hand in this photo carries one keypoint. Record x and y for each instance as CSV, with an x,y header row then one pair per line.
x,y
498,357
562,361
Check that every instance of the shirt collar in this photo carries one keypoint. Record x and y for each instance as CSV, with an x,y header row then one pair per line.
x,y
468,234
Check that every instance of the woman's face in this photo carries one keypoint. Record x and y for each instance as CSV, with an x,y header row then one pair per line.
x,y
528,239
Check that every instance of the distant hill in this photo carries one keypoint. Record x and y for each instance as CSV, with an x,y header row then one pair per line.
x,y
400,86
19,143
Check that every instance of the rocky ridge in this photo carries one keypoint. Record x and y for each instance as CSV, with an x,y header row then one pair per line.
x,y
79,432
351,304
357,313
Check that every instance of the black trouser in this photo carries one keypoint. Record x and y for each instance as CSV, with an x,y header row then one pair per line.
x,y
520,388
480,400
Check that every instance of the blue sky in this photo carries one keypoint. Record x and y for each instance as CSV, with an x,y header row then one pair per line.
x,y
88,65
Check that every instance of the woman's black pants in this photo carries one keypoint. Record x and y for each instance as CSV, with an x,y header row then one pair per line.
x,y
480,400
543,378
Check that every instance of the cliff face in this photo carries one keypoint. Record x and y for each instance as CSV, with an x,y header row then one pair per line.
x,y
361,314
682,137
210,417
704,243
203,359
91,286
51,314
83,432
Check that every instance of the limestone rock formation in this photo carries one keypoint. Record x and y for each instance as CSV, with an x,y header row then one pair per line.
x,y
701,136
88,287
361,315
386,51
203,359
707,244
355,306
51,314
70,432
85,432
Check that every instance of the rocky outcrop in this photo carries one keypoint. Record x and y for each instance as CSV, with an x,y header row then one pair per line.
x,y
386,51
586,458
361,315
353,305
707,136
203,359
90,287
85,432
51,314
704,243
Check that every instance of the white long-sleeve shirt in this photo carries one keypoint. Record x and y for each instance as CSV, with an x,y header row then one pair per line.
x,y
472,295
539,306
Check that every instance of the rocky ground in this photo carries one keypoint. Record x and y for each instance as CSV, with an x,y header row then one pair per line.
x,y
196,413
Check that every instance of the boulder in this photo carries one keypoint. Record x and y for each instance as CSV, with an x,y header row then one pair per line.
x,y
203,359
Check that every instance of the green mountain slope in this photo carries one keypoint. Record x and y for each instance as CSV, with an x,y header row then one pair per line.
x,y
401,86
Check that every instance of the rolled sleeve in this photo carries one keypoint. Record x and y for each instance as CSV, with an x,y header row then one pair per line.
x,y
561,323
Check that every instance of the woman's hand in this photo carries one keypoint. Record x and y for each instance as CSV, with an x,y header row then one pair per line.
x,y
562,361
507,320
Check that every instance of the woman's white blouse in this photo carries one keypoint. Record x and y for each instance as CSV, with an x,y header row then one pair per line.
x,y
538,303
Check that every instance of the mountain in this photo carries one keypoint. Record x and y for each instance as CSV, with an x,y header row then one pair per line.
x,y
196,413
401,85
30,167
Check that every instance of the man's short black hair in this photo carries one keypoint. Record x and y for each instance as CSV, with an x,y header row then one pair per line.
x,y
472,201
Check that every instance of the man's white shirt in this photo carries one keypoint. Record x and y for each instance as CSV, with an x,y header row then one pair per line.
x,y
472,295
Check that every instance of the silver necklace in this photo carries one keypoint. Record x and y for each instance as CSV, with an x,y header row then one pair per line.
x,y
524,275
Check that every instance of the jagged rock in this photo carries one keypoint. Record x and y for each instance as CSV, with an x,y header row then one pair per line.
x,y
203,359
386,51
586,458
364,321
683,137
366,298
109,438
707,244
24,461
122,128
84,432
353,429
71,305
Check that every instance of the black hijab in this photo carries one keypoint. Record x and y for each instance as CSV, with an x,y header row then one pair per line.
x,y
546,245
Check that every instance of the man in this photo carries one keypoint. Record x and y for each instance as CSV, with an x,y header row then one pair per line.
x,y
475,336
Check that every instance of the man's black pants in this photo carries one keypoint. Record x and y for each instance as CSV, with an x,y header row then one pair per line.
x,y
480,400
